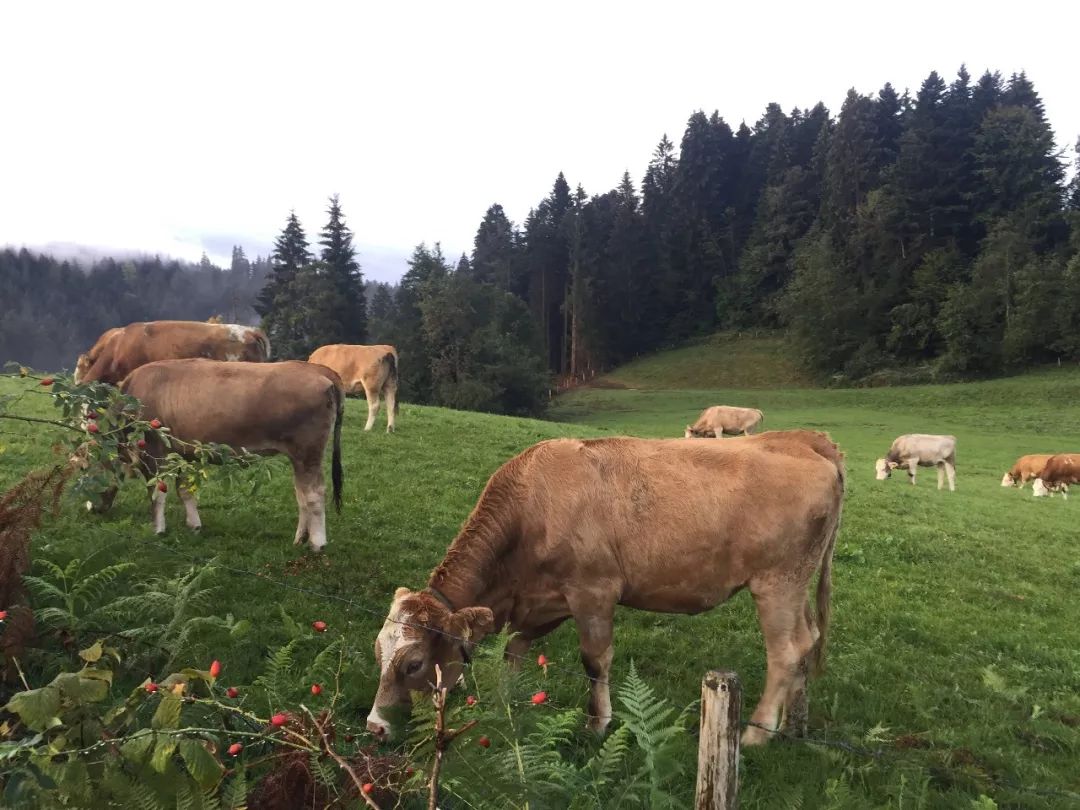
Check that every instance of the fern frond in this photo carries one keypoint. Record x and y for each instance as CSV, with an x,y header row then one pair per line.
x,y
91,589
278,672
42,590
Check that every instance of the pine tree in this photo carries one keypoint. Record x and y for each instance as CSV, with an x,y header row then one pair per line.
x,y
348,315
494,259
277,302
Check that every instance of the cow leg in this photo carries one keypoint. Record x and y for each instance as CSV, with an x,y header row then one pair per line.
x,y
191,507
940,474
372,406
597,652
390,395
912,466
157,509
519,644
311,498
950,471
796,705
788,640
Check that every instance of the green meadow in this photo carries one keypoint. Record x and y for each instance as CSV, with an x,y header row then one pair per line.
x,y
953,675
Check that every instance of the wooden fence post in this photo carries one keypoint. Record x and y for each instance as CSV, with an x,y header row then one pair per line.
x,y
718,747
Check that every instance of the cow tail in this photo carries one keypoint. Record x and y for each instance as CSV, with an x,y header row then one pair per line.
x,y
264,343
824,588
390,359
336,475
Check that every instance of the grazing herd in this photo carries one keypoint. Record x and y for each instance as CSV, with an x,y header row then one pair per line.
x,y
568,529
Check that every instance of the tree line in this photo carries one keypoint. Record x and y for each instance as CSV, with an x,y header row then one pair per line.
x,y
925,236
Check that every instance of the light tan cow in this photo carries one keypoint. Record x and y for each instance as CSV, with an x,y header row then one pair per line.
x,y
290,407
121,350
724,420
913,450
1057,475
1025,468
371,369
570,529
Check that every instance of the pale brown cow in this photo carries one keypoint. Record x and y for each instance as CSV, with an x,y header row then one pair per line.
x,y
914,450
724,420
267,408
1025,468
120,351
371,369
573,528
1061,471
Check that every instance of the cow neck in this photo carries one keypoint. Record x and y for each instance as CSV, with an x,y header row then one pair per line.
x,y
470,574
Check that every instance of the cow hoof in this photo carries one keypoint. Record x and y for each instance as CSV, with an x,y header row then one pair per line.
x,y
755,735
598,725
159,532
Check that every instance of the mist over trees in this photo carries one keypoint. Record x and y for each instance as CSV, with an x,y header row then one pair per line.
x,y
920,235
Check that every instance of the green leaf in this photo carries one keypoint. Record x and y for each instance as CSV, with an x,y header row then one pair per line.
x,y
292,629
137,748
37,708
164,748
201,764
167,715
91,654
78,689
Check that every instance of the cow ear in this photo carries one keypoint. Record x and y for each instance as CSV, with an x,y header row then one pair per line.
x,y
471,623
400,592
893,465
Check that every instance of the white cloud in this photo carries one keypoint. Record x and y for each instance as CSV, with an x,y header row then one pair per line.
x,y
167,127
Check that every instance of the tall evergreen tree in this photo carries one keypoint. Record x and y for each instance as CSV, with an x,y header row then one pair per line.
x,y
276,303
348,314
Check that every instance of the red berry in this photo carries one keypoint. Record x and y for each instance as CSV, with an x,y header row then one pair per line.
x,y
410,771
235,749
92,427
162,487
349,738
47,381
279,719
91,414
141,443
151,687
316,689
155,423
484,742
470,700
232,692
3,615
215,669
368,787
320,627
539,698
541,661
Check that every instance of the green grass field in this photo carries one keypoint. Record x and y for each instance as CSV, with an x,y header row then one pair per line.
x,y
955,644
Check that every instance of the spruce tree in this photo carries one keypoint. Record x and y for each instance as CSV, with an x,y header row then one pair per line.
x,y
277,302
348,315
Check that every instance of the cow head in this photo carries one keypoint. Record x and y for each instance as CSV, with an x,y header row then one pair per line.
x,y
82,365
420,632
1039,489
698,433
1008,481
883,468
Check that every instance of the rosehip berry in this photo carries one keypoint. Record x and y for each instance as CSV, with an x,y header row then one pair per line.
x,y
47,381
320,627
155,423
232,692
3,615
539,698
92,427
235,749
215,669
162,487
316,689
91,414
141,443
279,719
470,700
484,742
368,787
151,687
541,660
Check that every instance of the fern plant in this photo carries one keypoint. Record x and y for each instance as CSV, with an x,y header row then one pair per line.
x,y
72,598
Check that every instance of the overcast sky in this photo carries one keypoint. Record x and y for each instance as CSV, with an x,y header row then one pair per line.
x,y
175,128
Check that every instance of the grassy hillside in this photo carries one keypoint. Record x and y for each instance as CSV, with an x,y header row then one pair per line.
x,y
724,360
955,645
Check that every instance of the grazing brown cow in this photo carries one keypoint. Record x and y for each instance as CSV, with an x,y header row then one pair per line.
x,y
914,450
724,420
573,528
120,351
1025,468
267,408
371,369
1059,473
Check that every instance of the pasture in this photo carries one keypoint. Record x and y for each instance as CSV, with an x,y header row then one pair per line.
x,y
954,652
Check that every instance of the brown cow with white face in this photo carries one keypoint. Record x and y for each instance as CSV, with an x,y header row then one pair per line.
x,y
1025,469
1061,471
120,351
267,408
724,420
372,370
570,529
